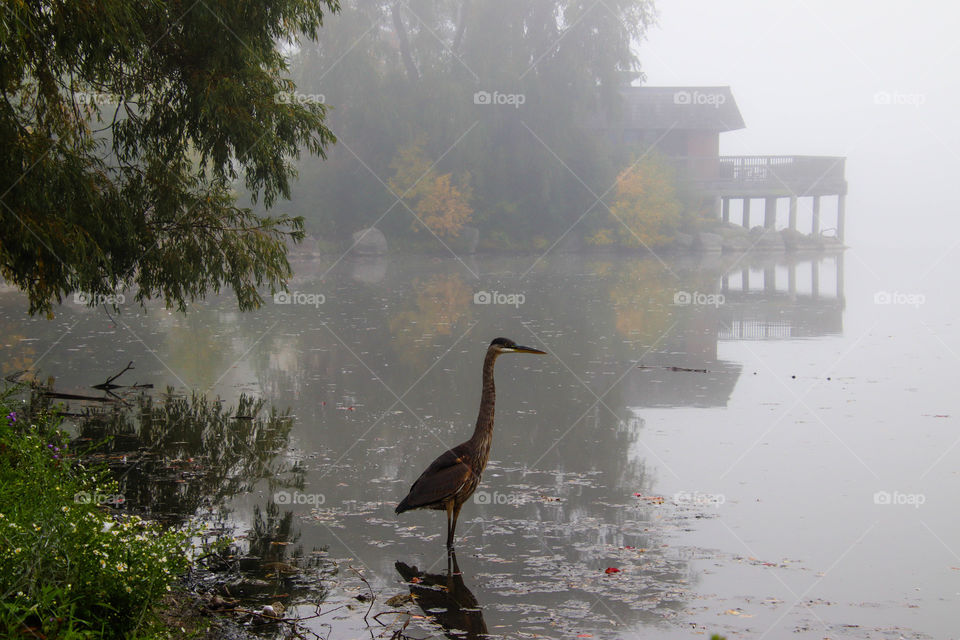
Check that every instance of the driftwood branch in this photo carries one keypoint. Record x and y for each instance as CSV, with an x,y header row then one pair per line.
x,y
669,368
106,386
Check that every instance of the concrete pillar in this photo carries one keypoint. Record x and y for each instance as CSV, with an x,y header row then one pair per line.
x,y
746,212
770,279
770,213
815,278
745,280
792,222
840,296
725,209
815,228
841,214
792,278
725,283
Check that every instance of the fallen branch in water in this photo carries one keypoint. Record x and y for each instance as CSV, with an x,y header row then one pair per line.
x,y
670,368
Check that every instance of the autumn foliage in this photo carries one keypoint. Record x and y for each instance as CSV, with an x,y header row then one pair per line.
x,y
647,210
441,202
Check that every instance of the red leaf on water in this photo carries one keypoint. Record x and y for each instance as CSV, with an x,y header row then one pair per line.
x,y
612,570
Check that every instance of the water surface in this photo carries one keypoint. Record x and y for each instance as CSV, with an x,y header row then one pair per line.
x,y
760,445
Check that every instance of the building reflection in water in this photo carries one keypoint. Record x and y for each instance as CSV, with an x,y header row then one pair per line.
x,y
762,297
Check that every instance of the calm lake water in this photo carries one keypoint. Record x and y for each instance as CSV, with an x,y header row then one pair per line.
x,y
804,485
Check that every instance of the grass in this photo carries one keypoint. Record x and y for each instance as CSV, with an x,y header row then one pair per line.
x,y
70,567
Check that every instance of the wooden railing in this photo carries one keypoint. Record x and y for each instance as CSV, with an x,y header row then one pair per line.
x,y
764,175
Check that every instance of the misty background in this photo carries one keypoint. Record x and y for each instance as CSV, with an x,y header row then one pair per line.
x,y
805,75
870,82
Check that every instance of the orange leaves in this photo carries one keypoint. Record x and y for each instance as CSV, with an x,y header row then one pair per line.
x,y
647,209
441,202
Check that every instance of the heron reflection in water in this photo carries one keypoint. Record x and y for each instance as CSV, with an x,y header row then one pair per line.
x,y
446,599
452,478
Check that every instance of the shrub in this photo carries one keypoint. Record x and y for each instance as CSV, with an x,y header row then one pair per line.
x,y
70,567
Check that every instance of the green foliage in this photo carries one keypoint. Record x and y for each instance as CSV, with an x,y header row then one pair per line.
x,y
404,73
68,567
125,128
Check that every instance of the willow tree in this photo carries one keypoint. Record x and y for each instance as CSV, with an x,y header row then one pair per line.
x,y
125,128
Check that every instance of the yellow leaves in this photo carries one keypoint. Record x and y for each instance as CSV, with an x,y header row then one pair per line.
x,y
646,205
602,238
440,204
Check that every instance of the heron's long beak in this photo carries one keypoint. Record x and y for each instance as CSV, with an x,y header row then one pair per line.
x,y
519,349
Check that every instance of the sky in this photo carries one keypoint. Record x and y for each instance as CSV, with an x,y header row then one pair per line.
x,y
877,82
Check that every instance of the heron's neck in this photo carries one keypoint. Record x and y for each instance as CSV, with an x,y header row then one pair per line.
x,y
484,429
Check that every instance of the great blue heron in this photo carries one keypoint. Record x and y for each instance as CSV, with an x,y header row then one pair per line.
x,y
452,478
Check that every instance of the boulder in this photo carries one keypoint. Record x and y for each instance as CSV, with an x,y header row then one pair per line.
x,y
684,241
369,242
766,239
709,242
793,240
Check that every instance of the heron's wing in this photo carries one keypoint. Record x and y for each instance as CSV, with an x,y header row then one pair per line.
x,y
442,479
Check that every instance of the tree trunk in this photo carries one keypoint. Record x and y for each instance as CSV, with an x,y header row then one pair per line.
x,y
404,44
462,13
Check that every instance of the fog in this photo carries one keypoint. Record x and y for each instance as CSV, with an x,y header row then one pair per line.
x,y
739,421
806,76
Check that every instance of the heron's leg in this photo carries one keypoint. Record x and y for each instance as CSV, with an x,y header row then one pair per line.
x,y
453,527
451,524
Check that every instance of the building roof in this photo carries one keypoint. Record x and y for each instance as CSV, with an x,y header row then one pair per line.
x,y
662,108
